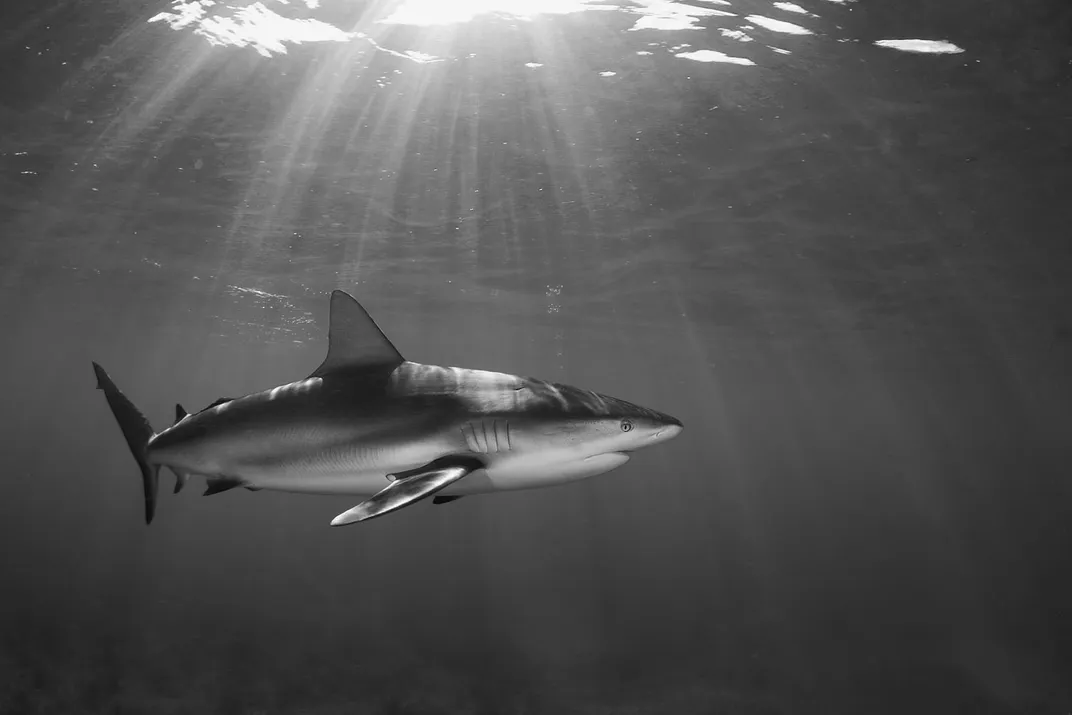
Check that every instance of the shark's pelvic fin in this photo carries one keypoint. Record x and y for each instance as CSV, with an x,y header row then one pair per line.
x,y
445,500
411,486
180,476
137,431
354,339
221,484
180,479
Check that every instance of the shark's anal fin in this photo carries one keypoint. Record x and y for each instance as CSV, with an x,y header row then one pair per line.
x,y
411,486
221,484
445,500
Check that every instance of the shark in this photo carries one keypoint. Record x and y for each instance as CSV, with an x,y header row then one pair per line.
x,y
370,423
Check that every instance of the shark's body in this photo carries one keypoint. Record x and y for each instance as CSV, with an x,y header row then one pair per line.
x,y
368,422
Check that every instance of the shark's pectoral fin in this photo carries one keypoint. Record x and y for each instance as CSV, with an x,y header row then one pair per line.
x,y
411,486
221,484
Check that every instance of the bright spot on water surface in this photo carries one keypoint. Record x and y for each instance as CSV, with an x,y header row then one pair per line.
x,y
252,26
735,35
931,47
791,7
670,15
778,25
713,56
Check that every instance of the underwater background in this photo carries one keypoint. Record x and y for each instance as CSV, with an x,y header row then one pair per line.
x,y
831,237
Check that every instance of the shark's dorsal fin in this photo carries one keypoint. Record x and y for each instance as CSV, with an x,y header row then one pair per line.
x,y
354,340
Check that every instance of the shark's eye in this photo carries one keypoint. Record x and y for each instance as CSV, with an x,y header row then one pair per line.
x,y
627,426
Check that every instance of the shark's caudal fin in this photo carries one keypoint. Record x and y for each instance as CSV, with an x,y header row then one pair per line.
x,y
137,431
354,339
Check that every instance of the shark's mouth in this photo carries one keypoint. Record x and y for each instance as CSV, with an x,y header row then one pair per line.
x,y
621,457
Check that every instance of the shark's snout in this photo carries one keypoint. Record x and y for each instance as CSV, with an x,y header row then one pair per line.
x,y
666,427
668,432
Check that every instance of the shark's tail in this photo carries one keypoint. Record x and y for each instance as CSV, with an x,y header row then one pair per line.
x,y
137,431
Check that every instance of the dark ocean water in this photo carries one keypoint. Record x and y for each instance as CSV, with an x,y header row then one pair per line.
x,y
846,267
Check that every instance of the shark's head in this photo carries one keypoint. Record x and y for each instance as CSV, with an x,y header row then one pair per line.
x,y
579,424
604,434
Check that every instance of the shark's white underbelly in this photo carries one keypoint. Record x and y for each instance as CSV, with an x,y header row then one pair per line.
x,y
503,473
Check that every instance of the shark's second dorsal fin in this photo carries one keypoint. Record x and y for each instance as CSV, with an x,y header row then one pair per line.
x,y
354,339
